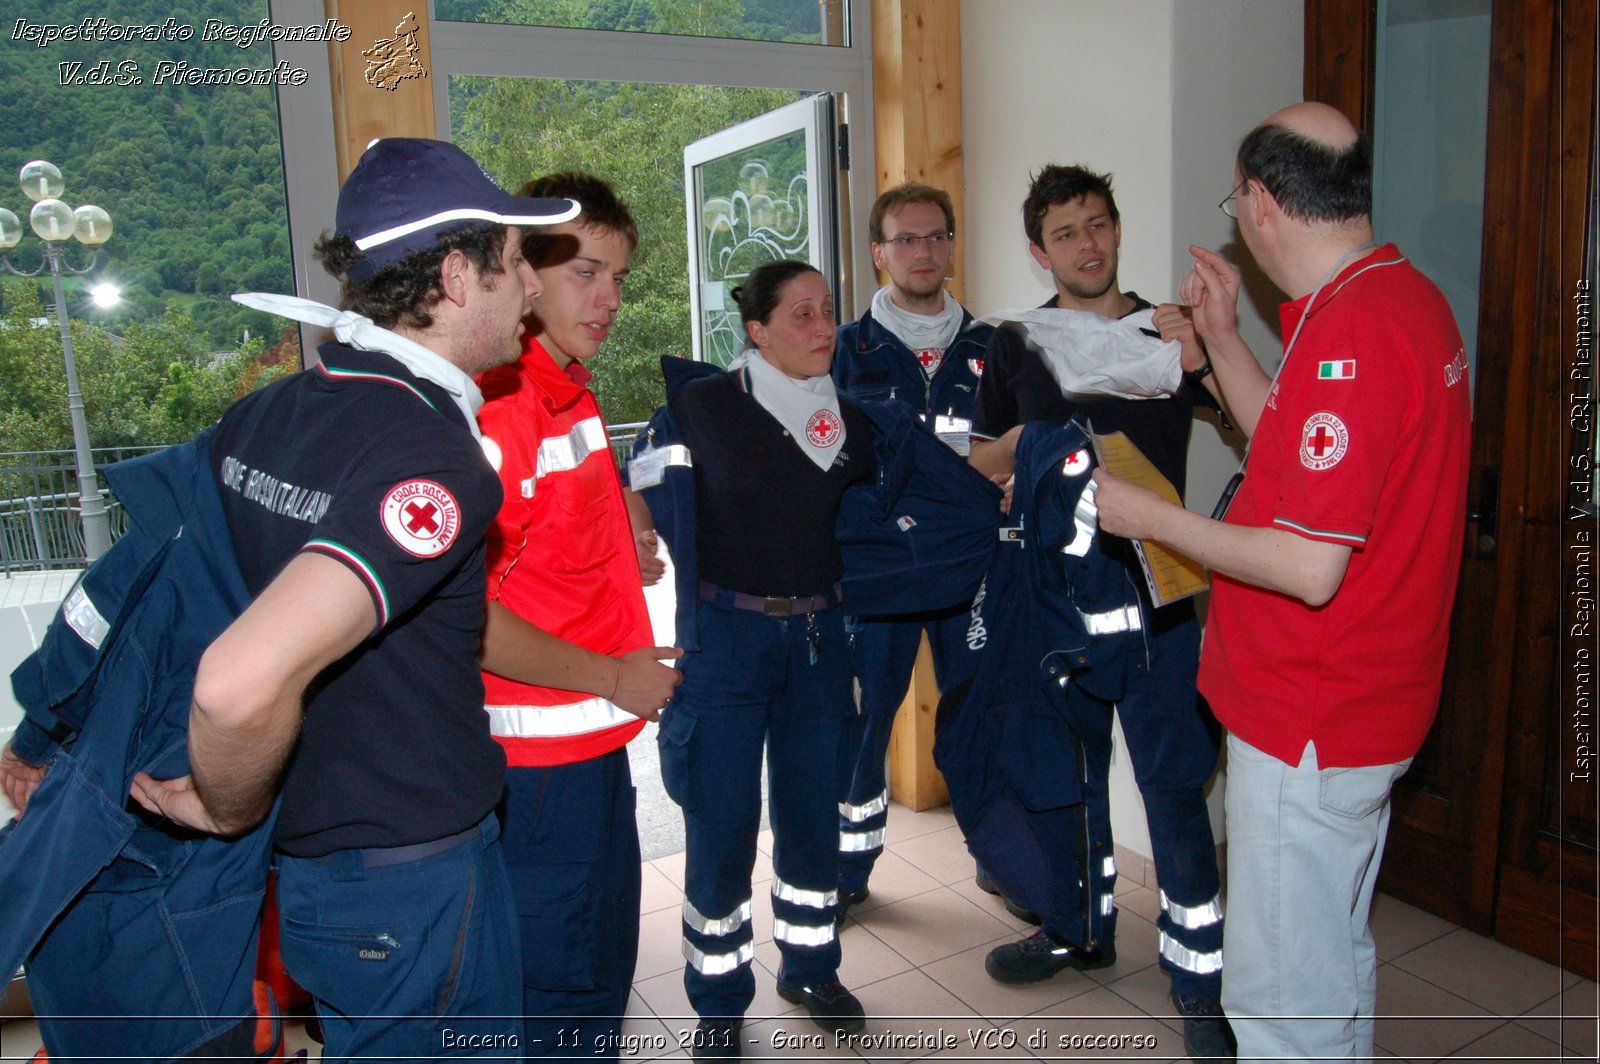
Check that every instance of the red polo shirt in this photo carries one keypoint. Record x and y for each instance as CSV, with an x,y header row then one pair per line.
x,y
1364,441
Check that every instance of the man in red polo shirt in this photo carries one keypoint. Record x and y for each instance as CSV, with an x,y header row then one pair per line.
x,y
566,603
1335,569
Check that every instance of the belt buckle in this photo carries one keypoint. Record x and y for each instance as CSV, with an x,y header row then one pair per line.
x,y
777,606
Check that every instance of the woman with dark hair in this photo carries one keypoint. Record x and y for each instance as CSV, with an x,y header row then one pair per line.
x,y
773,448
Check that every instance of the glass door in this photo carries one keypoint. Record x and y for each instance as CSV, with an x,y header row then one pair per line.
x,y
757,192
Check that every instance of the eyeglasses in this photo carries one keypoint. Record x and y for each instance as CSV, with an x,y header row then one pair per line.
x,y
1230,204
907,242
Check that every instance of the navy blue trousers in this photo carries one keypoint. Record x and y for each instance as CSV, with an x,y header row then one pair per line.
x,y
572,853
883,655
1173,744
755,684
410,960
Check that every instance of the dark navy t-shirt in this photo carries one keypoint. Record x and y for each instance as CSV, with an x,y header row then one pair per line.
x,y
369,465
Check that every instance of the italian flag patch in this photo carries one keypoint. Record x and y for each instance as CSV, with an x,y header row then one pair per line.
x,y
1337,371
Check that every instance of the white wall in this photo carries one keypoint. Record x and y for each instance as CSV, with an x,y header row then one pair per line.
x,y
1158,93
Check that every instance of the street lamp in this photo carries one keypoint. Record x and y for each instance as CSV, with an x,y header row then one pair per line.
x,y
54,222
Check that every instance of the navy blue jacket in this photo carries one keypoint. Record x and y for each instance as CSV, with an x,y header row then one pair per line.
x,y
1006,745
919,538
870,363
118,914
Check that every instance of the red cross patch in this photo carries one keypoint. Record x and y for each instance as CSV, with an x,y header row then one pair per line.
x,y
823,428
1077,464
422,517
976,366
929,358
1323,441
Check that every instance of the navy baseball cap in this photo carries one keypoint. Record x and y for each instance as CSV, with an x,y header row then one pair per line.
x,y
405,191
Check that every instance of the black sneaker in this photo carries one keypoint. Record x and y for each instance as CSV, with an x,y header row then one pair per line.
x,y
847,899
1207,1035
1040,956
832,1007
718,1038
988,886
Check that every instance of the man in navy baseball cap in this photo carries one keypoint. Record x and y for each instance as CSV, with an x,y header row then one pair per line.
x,y
350,686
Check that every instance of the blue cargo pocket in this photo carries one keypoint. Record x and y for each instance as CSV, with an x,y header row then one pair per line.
x,y
1039,755
556,921
677,730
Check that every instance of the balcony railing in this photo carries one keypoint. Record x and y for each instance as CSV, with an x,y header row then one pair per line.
x,y
41,526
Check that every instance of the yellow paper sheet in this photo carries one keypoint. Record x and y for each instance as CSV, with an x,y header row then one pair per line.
x,y
1170,575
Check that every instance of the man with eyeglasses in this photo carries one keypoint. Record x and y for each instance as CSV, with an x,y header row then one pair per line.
x,y
1333,572
916,344
1075,232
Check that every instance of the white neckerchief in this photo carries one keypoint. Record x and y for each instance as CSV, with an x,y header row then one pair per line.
x,y
808,409
1089,354
364,334
919,332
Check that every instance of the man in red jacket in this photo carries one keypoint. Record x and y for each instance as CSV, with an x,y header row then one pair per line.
x,y
566,603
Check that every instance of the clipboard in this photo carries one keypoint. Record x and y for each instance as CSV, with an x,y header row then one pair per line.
x,y
1170,575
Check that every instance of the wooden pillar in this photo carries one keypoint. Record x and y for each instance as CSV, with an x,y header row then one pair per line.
x,y
382,75
916,73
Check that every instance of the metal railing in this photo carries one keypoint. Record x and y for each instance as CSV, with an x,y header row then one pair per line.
x,y
41,524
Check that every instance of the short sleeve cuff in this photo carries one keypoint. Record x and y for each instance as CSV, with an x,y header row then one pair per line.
x,y
1321,534
364,571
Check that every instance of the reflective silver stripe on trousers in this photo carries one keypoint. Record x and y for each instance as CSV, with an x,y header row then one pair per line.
x,y
1110,622
83,617
1190,960
857,813
860,841
546,722
1108,904
1108,869
717,963
723,926
1193,916
811,899
560,454
800,934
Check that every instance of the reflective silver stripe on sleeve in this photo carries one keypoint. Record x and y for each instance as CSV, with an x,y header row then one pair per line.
x,y
723,926
811,899
857,813
860,841
1084,517
716,963
1193,916
800,934
676,454
1190,960
1108,904
1108,869
1125,619
84,618
546,722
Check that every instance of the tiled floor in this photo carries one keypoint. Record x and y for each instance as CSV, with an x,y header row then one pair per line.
x,y
914,954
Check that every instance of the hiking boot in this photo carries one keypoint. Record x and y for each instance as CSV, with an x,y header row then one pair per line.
x,y
988,886
1040,956
718,1038
832,1007
1207,1036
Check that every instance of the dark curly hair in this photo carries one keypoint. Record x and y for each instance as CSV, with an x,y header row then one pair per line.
x,y
602,208
763,287
405,292
1054,185
1312,181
